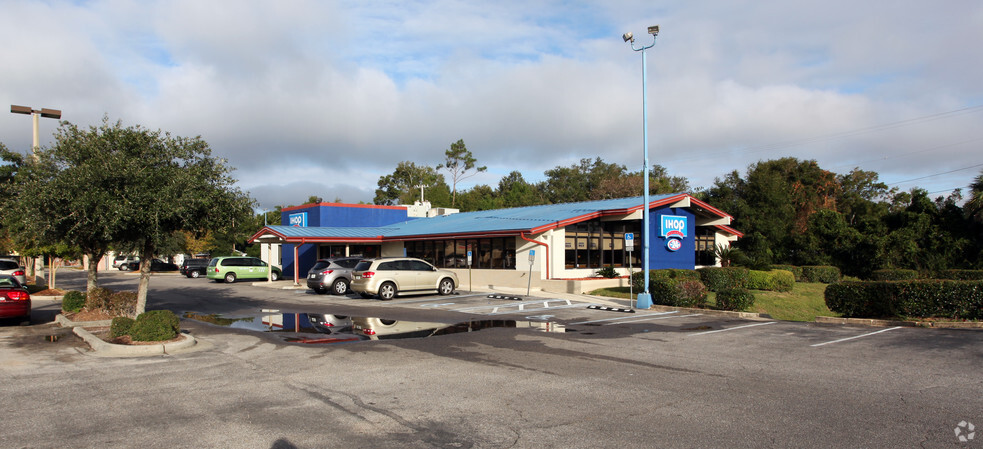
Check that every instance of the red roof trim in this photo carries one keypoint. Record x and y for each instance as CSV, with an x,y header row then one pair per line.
x,y
730,230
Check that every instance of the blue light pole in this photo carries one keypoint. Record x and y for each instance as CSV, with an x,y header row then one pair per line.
x,y
644,300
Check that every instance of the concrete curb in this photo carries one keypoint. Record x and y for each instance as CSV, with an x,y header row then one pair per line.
x,y
103,348
742,315
887,323
65,322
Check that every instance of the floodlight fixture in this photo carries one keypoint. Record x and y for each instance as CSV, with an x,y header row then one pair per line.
x,y
35,114
21,109
654,30
628,37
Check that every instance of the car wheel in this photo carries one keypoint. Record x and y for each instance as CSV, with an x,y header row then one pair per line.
x,y
387,291
122,268
274,276
446,286
194,274
230,277
340,287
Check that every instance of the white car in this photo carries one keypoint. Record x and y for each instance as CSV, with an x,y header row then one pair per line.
x,y
13,268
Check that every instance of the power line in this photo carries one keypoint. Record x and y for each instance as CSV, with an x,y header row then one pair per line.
x,y
935,174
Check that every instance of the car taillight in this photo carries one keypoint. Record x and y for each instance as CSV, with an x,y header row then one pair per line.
x,y
368,274
19,273
17,295
216,269
368,331
327,272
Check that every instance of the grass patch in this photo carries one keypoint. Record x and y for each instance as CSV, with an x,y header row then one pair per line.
x,y
804,303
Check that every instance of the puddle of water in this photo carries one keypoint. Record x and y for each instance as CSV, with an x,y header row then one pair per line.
x,y
331,329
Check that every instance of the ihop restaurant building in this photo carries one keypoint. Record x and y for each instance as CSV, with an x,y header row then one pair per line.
x,y
553,244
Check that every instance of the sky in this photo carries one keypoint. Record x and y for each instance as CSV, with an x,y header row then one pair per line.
x,y
323,98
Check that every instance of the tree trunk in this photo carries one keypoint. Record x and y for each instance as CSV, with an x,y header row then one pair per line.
x,y
146,256
51,271
92,280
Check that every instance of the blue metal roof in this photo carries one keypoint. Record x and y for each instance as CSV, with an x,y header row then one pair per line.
x,y
518,219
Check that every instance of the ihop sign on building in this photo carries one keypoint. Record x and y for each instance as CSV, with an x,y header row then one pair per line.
x,y
298,219
674,231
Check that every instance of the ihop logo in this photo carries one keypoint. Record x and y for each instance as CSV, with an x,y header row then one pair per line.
x,y
674,226
674,230
299,219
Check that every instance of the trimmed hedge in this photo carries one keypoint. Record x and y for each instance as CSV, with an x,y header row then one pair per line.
x,y
638,278
961,275
678,292
121,326
73,301
738,299
821,273
796,271
774,280
893,274
155,325
927,298
720,278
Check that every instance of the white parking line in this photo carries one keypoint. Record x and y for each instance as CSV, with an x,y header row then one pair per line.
x,y
519,305
568,306
856,336
731,328
624,317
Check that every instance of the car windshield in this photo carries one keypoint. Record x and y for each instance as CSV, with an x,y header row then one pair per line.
x,y
320,265
363,265
213,262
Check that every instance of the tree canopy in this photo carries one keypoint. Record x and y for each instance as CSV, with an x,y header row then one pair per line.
x,y
128,187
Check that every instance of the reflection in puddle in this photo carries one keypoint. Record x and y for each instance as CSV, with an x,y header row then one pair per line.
x,y
343,329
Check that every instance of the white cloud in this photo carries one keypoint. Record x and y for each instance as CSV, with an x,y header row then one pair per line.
x,y
308,95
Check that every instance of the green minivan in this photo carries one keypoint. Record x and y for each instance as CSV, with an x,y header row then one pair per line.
x,y
229,269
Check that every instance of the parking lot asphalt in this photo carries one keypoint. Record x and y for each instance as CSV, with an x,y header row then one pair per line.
x,y
592,378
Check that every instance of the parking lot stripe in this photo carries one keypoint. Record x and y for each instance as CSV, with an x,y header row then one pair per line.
x,y
519,305
624,317
731,328
856,336
568,306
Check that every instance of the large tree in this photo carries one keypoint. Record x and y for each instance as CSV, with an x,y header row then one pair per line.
x,y
127,187
460,163
403,185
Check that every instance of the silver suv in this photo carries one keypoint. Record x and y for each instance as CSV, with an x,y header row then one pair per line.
x,y
391,276
334,274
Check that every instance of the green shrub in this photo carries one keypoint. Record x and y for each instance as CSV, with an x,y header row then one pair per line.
x,y
121,326
758,280
821,273
678,292
738,299
926,298
796,271
961,275
607,272
155,325
782,280
893,274
638,278
73,301
720,278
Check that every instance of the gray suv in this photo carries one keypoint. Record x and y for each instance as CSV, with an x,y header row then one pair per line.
x,y
334,274
391,276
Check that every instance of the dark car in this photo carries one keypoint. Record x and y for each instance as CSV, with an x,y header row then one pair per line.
x,y
155,265
334,274
15,301
194,268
